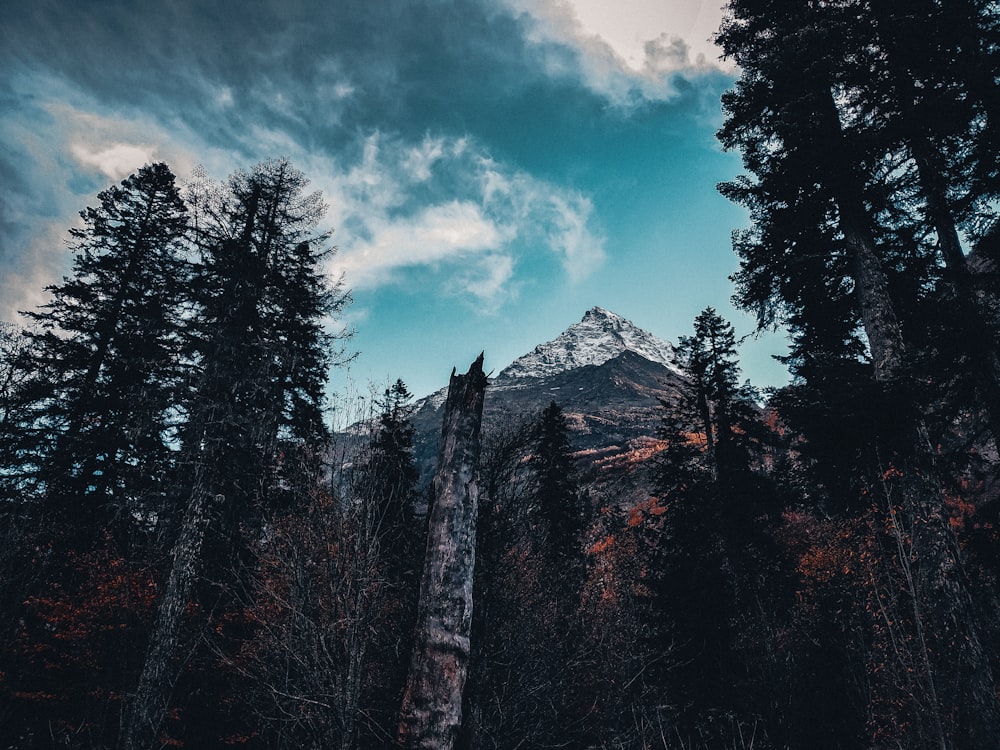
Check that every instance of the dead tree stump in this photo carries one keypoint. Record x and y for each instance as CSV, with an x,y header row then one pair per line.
x,y
432,705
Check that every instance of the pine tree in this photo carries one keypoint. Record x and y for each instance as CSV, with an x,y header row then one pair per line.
x,y
714,544
255,405
256,397
385,494
821,223
388,480
557,494
94,417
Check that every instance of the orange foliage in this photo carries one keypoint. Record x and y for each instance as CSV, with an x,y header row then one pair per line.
x,y
961,514
823,550
79,641
891,473
615,458
602,545
696,438
109,597
643,510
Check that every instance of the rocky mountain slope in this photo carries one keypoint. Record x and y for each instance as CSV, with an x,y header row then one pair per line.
x,y
606,374
601,336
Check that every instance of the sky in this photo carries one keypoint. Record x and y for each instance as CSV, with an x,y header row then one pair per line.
x,y
492,168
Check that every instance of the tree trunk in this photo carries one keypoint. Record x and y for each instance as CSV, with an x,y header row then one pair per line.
x,y
144,716
979,340
432,705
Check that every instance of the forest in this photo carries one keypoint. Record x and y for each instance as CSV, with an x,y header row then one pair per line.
x,y
192,556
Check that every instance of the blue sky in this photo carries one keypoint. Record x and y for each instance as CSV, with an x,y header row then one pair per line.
x,y
493,168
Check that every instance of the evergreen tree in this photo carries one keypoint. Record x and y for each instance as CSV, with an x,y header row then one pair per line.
x,y
824,221
255,405
865,161
557,494
715,552
389,477
94,418
385,494
256,397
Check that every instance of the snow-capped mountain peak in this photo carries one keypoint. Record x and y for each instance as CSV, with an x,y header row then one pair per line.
x,y
600,336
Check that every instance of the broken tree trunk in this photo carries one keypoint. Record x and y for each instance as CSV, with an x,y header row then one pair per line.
x,y
432,705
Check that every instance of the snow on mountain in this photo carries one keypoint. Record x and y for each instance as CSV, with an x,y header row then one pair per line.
x,y
601,336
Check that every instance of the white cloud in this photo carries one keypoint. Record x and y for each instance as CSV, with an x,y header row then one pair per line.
x,y
419,161
65,142
472,227
115,146
628,47
117,160
628,26
451,231
580,250
436,206
489,281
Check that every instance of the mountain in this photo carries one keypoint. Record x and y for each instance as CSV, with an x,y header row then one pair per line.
x,y
609,378
599,337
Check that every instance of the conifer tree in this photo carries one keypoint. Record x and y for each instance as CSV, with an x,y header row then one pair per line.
x,y
817,206
389,477
385,494
258,336
714,547
262,356
557,494
93,421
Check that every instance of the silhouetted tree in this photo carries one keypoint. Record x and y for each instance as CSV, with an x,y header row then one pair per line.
x,y
90,422
262,357
557,494
819,225
385,491
708,595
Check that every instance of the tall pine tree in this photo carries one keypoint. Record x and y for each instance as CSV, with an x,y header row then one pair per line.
x,y
94,421
255,399
713,556
820,223
557,494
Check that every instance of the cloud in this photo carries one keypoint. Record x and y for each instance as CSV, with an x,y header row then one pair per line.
x,y
444,135
457,230
490,282
116,161
628,51
437,204
58,151
419,160
445,207
581,251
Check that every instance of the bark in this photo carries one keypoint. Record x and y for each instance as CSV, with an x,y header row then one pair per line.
x,y
432,704
878,314
144,715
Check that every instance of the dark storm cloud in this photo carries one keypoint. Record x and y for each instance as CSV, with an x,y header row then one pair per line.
x,y
322,70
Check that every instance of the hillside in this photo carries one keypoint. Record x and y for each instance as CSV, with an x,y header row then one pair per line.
x,y
607,375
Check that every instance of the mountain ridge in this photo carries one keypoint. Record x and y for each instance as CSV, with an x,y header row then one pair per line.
x,y
600,335
609,377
